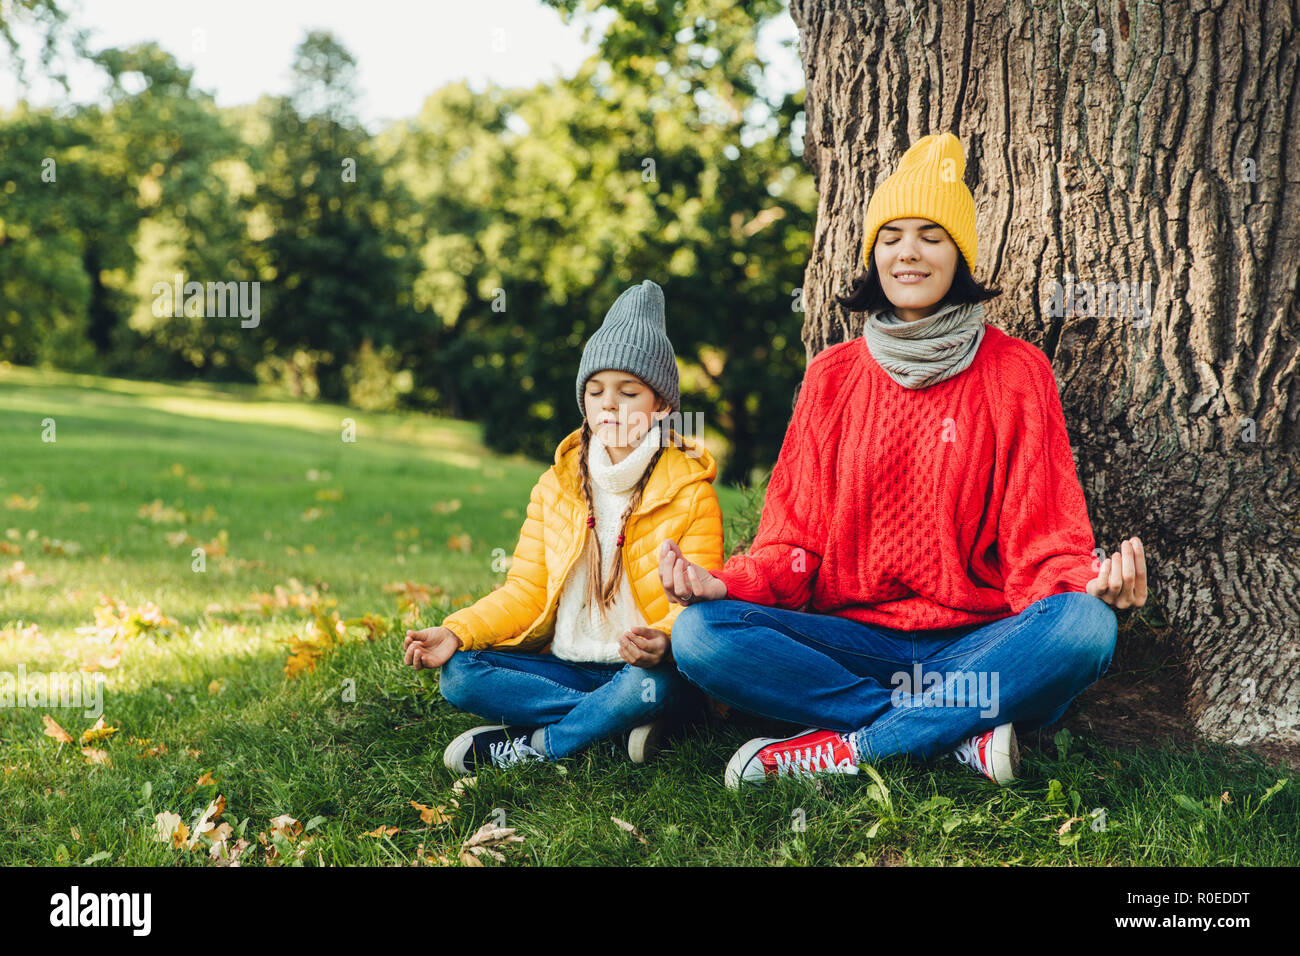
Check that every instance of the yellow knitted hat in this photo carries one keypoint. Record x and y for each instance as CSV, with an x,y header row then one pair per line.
x,y
927,185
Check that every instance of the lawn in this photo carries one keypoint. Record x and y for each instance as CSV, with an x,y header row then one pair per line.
x,y
199,547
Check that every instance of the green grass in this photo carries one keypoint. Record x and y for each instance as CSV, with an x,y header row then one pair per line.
x,y
214,693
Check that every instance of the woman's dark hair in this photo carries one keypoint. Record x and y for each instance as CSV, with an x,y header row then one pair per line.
x,y
867,295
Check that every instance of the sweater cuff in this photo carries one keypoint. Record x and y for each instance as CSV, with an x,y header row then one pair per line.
x,y
457,628
743,580
1076,578
1061,580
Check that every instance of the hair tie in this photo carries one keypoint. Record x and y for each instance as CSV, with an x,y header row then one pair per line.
x,y
620,541
591,521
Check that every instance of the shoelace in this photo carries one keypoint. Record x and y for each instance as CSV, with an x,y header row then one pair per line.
x,y
507,752
968,752
812,760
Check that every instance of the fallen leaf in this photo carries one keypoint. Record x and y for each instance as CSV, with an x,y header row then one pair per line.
x,y
207,822
93,755
204,780
1065,827
380,832
429,859
432,815
630,829
226,854
170,827
1225,798
98,732
485,840
52,729
285,826
221,832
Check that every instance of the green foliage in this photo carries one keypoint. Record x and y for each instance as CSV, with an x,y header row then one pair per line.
x,y
475,247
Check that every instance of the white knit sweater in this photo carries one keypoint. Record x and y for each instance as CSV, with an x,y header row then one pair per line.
x,y
580,633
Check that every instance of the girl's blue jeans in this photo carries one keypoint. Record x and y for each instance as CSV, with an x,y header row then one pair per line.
x,y
901,692
577,703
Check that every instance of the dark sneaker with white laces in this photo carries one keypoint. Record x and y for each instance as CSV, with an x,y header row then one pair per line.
x,y
993,753
495,745
643,742
806,753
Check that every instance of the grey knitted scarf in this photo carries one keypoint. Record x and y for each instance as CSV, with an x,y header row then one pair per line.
x,y
929,350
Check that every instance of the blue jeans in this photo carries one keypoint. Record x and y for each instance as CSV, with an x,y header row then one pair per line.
x,y
918,692
578,703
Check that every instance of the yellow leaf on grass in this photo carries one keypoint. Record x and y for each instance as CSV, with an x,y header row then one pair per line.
x,y
412,592
52,729
168,828
204,780
432,815
375,625
380,832
97,733
95,756
222,831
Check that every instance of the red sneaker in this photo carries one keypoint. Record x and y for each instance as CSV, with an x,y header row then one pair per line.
x,y
808,752
993,753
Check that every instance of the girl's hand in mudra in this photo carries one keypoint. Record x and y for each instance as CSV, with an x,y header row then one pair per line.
x,y
1122,579
685,582
431,647
644,646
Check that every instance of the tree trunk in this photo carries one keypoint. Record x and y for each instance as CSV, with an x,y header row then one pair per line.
x,y
1116,143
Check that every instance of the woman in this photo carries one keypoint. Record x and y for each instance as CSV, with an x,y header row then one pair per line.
x,y
925,509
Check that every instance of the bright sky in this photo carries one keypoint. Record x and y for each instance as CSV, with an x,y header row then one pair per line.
x,y
241,49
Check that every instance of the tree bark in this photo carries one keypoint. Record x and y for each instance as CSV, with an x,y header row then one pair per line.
x,y
1116,142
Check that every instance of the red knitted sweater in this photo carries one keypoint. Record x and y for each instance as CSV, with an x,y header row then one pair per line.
x,y
948,505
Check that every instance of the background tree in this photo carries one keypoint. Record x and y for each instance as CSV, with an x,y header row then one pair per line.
x,y
1116,143
339,275
661,157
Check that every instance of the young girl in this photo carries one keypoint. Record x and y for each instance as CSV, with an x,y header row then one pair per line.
x,y
585,580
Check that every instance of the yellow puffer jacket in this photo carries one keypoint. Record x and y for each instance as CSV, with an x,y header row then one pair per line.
x,y
678,503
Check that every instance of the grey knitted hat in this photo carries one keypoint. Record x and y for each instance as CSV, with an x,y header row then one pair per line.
x,y
633,339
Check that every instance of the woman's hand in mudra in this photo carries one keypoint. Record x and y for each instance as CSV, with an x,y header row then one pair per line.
x,y
1122,579
685,582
